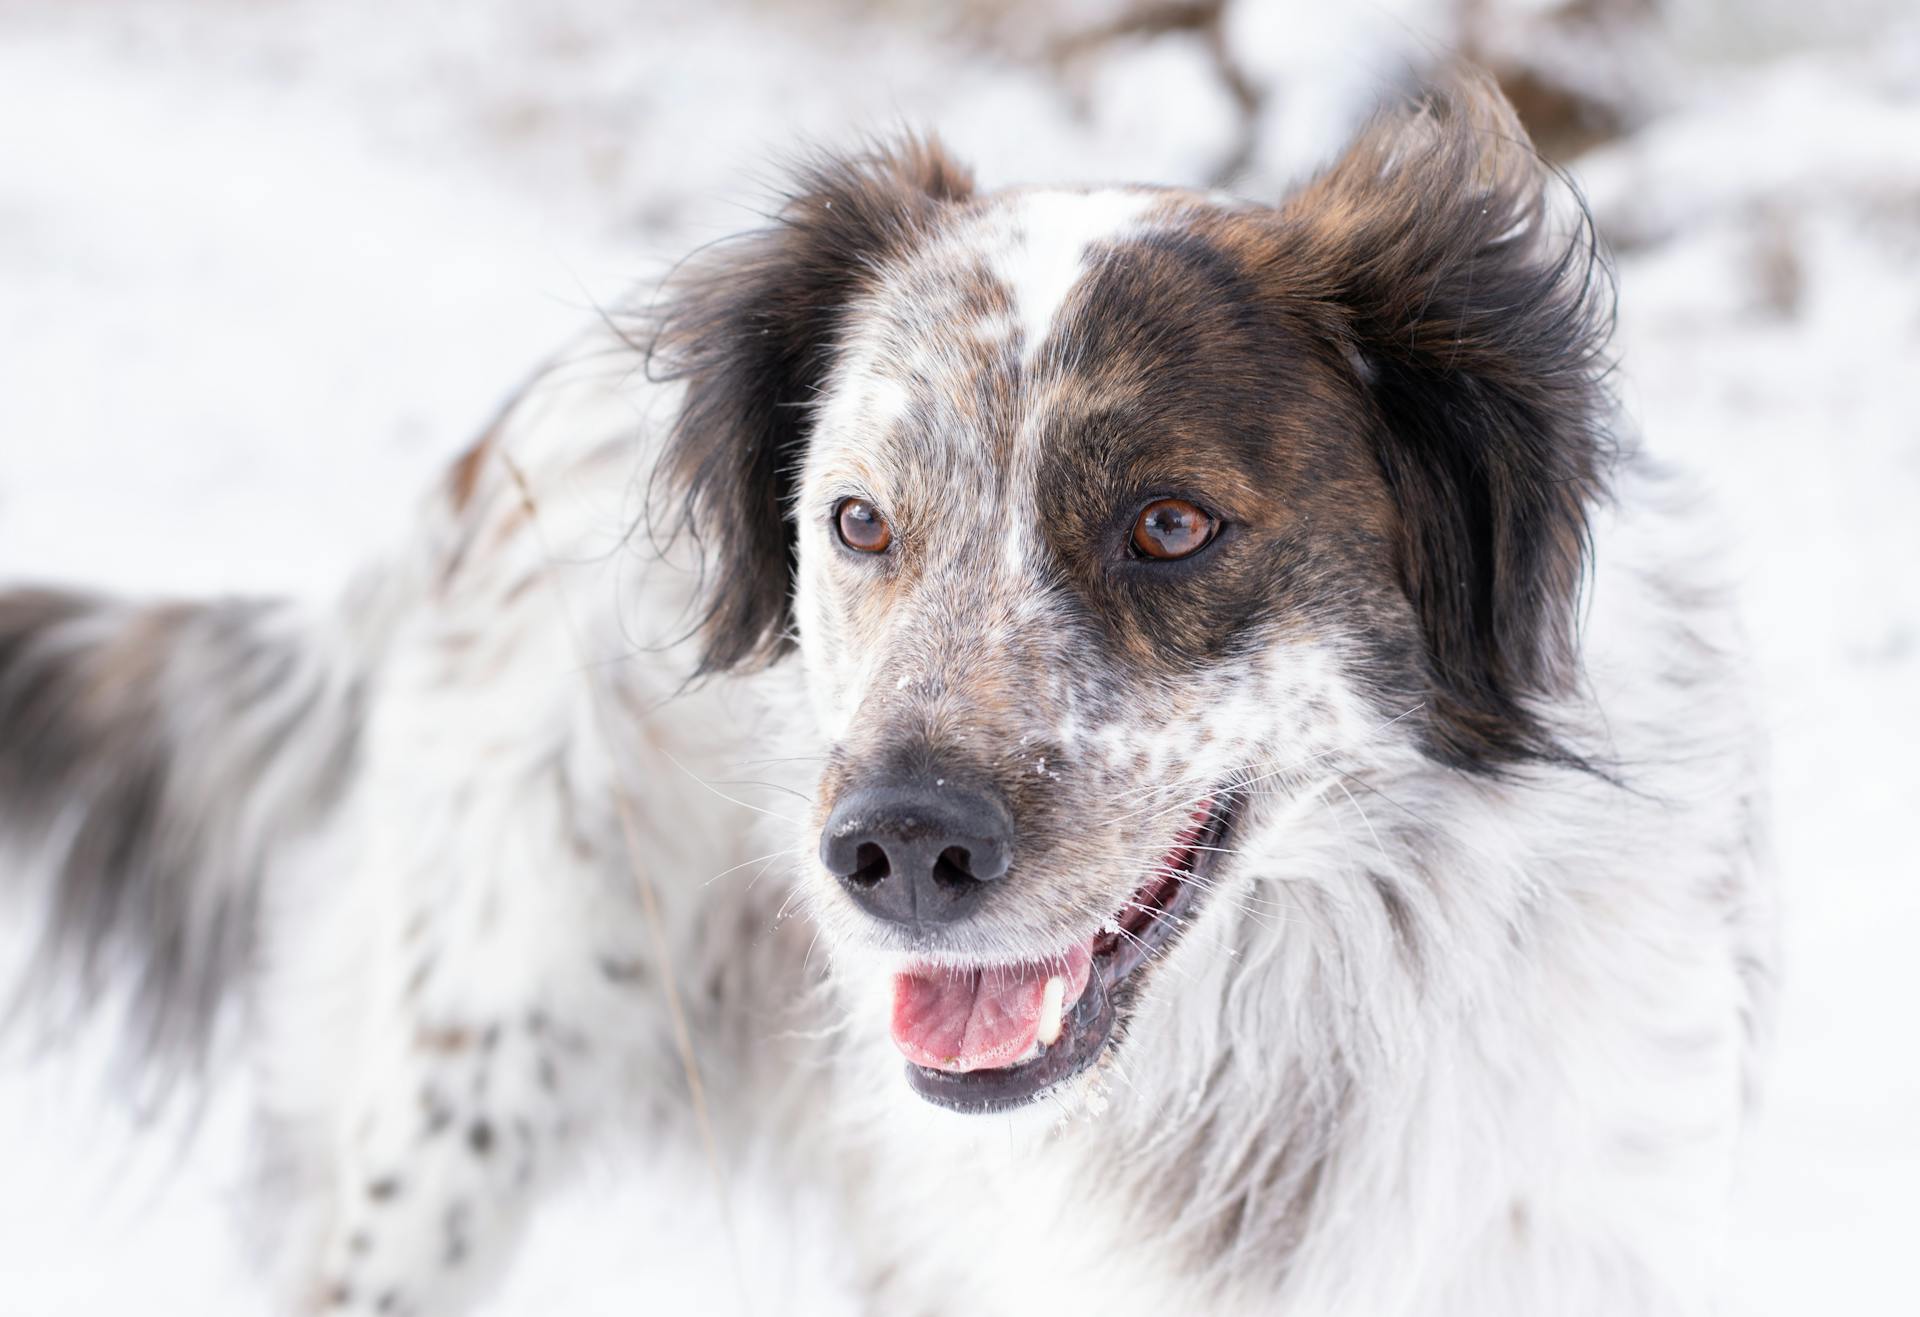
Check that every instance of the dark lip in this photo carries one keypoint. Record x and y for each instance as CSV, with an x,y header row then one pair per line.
x,y
1108,997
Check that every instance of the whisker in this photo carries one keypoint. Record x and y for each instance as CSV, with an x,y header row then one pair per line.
x,y
771,786
762,871
1378,848
1374,790
733,868
792,822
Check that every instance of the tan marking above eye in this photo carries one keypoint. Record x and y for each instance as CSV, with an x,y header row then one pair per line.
x,y
861,526
1172,528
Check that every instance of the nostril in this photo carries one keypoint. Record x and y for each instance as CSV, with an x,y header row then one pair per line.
x,y
955,865
869,864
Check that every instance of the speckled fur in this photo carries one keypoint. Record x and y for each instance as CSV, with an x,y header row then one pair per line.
x,y
1468,1019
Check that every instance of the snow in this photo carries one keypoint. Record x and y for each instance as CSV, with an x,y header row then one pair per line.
x,y
264,267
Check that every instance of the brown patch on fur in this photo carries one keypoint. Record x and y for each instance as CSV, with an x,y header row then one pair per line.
x,y
1429,252
445,1039
1209,389
464,474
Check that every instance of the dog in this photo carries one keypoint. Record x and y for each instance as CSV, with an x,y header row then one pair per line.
x,y
1266,811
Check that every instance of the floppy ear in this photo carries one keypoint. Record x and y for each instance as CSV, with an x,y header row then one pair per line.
x,y
752,328
1477,316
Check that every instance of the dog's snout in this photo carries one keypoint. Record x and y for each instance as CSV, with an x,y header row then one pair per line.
x,y
918,854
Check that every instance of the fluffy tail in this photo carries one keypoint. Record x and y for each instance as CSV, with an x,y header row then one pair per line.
x,y
152,757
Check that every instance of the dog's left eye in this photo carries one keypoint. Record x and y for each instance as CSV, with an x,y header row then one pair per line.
x,y
862,527
1172,528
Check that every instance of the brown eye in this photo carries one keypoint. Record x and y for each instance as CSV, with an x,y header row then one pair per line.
x,y
862,527
1172,528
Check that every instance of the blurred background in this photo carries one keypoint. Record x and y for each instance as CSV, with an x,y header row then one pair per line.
x,y
266,264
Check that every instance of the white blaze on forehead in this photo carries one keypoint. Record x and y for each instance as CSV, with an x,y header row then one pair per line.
x,y
1036,245
1046,251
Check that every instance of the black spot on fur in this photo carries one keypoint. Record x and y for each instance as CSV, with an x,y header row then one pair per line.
x,y
385,1189
1400,918
437,1111
417,978
457,1230
480,1138
752,329
624,971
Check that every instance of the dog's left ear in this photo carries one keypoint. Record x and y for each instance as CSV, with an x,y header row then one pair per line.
x,y
752,328
1474,313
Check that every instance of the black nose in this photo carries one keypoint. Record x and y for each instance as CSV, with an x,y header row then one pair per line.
x,y
918,853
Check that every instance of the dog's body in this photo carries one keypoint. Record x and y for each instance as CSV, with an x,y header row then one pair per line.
x,y
1364,937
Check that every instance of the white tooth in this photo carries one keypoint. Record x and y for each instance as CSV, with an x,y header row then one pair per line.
x,y
1053,1004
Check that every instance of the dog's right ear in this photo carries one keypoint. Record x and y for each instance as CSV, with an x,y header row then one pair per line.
x,y
752,327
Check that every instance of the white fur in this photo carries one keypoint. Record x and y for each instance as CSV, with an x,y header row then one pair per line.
x,y
1544,1127
1538,1119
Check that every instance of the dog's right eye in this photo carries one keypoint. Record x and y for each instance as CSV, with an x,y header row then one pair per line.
x,y
861,526
1172,528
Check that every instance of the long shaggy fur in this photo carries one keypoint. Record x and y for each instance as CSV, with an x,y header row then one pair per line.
x,y
751,328
1461,1019
152,760
1480,310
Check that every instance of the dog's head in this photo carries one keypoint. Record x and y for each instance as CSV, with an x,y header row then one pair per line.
x,y
1103,519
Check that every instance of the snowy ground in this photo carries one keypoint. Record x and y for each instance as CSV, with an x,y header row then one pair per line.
x,y
264,266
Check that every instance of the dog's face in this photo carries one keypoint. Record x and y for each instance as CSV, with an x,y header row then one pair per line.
x,y
1092,556
1105,519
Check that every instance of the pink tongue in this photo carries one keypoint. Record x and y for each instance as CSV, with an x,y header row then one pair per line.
x,y
979,1019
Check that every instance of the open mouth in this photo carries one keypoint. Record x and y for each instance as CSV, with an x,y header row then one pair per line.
x,y
991,1038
